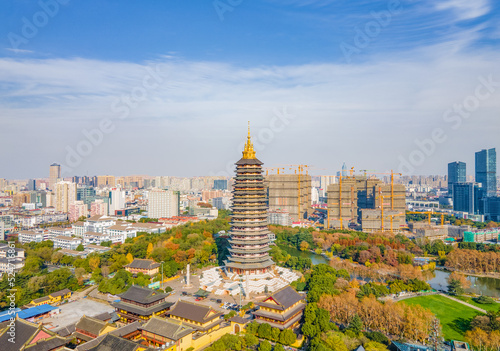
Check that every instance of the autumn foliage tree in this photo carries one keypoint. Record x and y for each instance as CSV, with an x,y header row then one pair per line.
x,y
410,322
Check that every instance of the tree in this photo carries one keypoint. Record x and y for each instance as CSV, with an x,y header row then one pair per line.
x,y
287,337
279,347
265,346
275,334
455,288
304,246
130,258
80,247
251,340
264,331
150,249
356,324
375,346
32,265
94,262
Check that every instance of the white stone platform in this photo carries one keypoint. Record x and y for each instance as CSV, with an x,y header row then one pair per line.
x,y
218,282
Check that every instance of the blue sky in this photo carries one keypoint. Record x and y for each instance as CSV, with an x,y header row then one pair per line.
x,y
365,82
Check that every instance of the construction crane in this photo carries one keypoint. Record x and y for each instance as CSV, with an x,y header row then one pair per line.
x,y
392,219
340,204
429,215
382,197
277,169
392,174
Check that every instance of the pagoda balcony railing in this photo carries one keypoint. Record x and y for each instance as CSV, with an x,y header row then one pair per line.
x,y
254,238
250,229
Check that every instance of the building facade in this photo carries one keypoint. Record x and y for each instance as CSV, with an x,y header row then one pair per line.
x,y
486,171
457,173
163,203
65,196
54,175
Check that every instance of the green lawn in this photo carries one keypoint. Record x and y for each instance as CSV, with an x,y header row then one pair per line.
x,y
455,317
493,307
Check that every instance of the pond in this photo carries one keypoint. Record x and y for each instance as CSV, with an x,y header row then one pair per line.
x,y
316,259
479,285
438,280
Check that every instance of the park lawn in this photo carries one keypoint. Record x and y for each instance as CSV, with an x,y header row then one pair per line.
x,y
493,307
455,318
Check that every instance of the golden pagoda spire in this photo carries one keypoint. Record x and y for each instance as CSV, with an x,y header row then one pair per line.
x,y
249,152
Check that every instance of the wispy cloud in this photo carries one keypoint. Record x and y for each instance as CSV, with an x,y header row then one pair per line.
x,y
204,103
465,9
20,51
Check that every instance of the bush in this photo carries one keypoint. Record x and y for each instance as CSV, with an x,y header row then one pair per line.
x,y
485,300
378,337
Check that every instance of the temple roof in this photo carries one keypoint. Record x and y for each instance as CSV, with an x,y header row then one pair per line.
x,y
142,295
284,298
168,328
194,312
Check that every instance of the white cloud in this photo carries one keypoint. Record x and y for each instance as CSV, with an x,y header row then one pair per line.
x,y
365,114
465,9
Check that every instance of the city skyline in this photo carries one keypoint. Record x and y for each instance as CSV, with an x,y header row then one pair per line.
x,y
323,83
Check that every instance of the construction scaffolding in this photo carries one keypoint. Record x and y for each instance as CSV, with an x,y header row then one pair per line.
x,y
290,192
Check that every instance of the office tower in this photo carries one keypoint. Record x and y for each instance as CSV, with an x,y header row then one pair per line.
x,y
116,200
65,195
3,183
220,184
31,185
466,197
54,175
84,192
163,203
456,174
486,171
249,235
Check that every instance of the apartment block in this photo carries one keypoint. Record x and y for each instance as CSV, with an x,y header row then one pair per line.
x,y
290,192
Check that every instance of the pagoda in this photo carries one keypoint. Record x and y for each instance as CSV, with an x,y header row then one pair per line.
x,y
249,235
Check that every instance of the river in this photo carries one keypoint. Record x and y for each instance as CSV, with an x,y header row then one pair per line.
x,y
479,285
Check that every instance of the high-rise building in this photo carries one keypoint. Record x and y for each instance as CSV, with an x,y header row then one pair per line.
x,y
220,184
457,173
31,185
163,203
65,195
486,171
77,210
54,175
105,181
98,208
116,200
467,197
291,192
249,235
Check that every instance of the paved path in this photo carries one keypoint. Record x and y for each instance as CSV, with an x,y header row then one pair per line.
x,y
463,303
